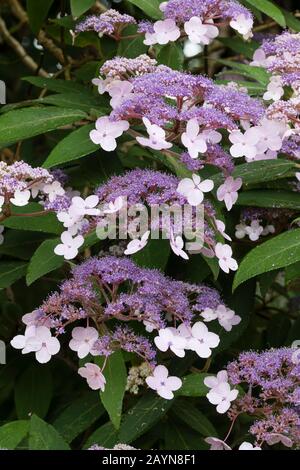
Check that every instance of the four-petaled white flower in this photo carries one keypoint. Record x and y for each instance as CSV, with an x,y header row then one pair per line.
x,y
162,383
53,190
138,244
194,188
193,140
83,340
200,33
213,381
242,24
217,444
103,84
120,90
69,246
107,131
70,218
38,340
248,446
157,137
274,89
177,245
244,145
113,207
170,339
225,316
222,396
164,31
93,375
254,230
271,135
211,136
86,206
224,254
32,318
228,191
20,198
202,340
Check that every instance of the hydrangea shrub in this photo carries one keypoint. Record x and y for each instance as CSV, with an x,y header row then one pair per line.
x,y
141,112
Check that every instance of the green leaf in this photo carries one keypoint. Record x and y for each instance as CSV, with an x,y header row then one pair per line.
x,y
145,414
77,144
79,416
172,56
294,333
43,261
270,198
260,171
279,252
33,392
82,101
78,7
193,386
116,379
292,272
150,7
37,13
251,71
34,121
11,434
10,316
46,222
55,84
278,329
180,437
105,436
194,418
21,245
291,21
240,46
213,266
267,7
155,254
133,47
43,436
10,272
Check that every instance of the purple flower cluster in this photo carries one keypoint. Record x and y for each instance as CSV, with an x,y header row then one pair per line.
x,y
103,290
110,22
273,397
280,55
153,188
283,54
194,96
142,186
20,176
124,68
204,9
